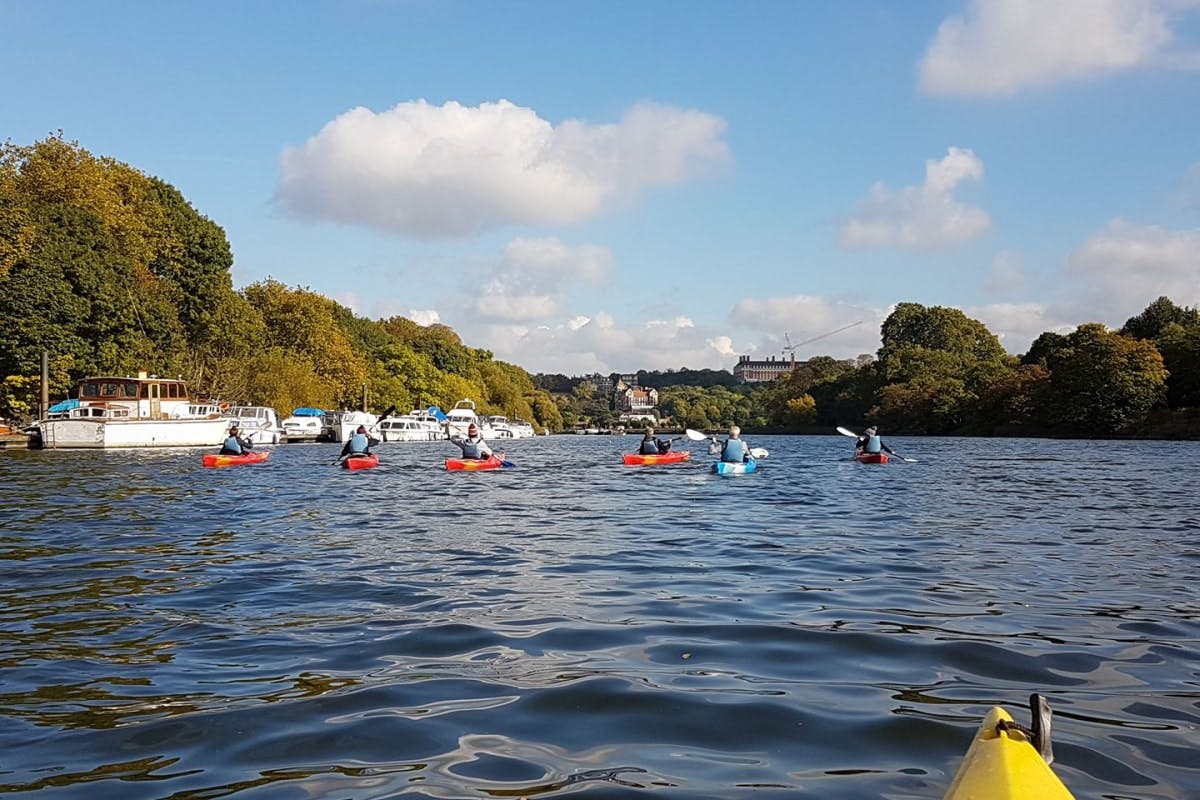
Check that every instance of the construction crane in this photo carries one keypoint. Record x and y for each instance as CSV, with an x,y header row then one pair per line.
x,y
791,348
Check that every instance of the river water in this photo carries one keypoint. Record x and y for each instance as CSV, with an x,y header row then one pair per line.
x,y
575,627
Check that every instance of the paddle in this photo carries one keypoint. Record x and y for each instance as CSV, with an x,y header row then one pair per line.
x,y
848,432
759,452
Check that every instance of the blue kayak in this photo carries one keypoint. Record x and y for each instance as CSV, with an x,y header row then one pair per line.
x,y
729,468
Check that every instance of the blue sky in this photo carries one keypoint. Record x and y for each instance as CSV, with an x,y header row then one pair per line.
x,y
609,186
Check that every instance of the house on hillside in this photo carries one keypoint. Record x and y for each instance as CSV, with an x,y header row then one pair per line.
x,y
750,371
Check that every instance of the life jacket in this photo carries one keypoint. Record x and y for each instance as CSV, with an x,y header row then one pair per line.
x,y
470,448
874,445
232,445
649,448
734,451
359,443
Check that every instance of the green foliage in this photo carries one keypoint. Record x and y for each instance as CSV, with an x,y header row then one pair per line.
x,y
1151,323
1102,382
1180,348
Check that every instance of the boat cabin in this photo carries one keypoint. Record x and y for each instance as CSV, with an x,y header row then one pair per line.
x,y
143,397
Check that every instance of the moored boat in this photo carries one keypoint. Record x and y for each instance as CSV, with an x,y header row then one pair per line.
x,y
415,426
259,424
1003,764
146,411
864,457
356,462
475,464
670,457
732,468
229,460
304,425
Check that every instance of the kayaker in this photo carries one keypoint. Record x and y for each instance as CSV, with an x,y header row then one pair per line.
x,y
651,446
734,450
472,445
359,444
869,442
235,445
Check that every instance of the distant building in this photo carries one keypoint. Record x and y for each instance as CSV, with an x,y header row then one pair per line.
x,y
630,398
603,384
749,371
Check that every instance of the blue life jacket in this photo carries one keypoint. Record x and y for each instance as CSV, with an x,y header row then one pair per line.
x,y
649,447
734,451
232,445
470,448
874,445
359,443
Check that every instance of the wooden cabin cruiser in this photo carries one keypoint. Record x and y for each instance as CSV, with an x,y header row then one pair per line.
x,y
145,411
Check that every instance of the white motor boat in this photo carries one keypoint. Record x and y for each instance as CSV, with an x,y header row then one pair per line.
x,y
411,428
145,411
259,424
463,415
348,422
304,425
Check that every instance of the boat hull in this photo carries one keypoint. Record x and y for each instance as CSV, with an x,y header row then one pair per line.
x,y
1002,764
474,464
224,460
369,461
95,434
729,468
636,459
870,458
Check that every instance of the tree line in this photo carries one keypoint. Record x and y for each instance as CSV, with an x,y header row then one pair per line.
x,y
111,271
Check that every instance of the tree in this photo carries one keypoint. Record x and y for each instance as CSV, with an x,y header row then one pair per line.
x,y
1151,323
1103,382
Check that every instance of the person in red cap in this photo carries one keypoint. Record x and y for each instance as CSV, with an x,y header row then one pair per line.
x,y
473,446
359,444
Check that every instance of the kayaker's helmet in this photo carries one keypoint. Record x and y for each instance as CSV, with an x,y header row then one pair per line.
x,y
472,430
735,431
361,429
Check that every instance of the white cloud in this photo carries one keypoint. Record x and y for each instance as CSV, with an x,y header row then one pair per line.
x,y
815,325
1018,324
528,282
1008,273
426,317
924,217
1001,46
1131,265
451,170
597,343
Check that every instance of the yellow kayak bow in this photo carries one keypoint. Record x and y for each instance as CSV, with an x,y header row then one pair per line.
x,y
1003,764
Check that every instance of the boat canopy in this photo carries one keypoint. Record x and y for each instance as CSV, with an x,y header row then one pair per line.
x,y
65,405
308,412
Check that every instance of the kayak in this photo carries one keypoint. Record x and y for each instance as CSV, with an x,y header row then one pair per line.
x,y
226,460
731,468
369,461
871,458
636,459
1002,764
491,462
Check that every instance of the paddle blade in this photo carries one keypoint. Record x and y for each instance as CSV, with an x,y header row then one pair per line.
x,y
506,464
846,432
437,412
695,436
759,452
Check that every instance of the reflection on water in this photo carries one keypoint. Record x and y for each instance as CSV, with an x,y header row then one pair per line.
x,y
574,626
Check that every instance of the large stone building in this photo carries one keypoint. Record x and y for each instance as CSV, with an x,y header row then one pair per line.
x,y
749,371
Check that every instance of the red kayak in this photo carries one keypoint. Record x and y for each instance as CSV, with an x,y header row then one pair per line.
x,y
491,462
360,461
670,457
871,458
228,460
